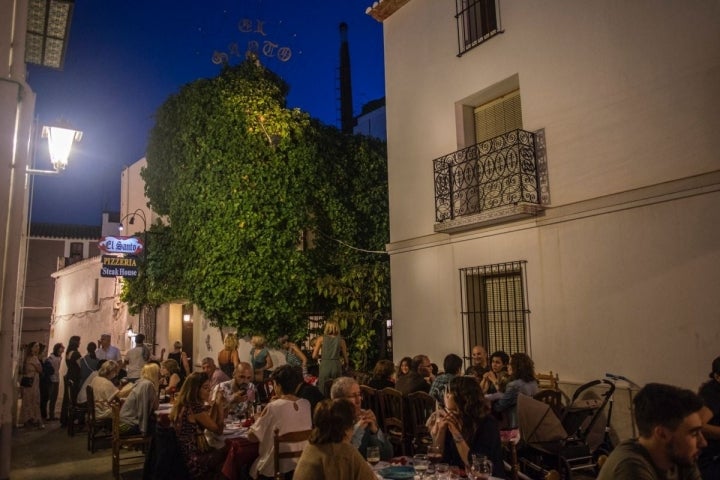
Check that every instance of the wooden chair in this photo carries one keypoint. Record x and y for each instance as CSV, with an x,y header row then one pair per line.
x,y
393,413
288,438
552,398
421,406
548,381
119,441
326,388
371,401
97,429
76,412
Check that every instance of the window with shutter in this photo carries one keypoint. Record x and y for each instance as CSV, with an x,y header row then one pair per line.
x,y
498,117
494,306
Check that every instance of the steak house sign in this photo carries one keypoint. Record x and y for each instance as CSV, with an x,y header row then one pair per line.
x,y
116,266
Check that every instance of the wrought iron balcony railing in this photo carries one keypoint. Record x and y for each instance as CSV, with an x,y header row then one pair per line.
x,y
489,181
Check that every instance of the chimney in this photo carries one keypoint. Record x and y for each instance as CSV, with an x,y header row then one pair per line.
x,y
346,104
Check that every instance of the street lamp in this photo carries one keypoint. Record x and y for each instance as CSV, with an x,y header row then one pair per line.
x,y
60,141
140,214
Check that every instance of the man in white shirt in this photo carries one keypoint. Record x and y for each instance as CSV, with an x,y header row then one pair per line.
x,y
105,351
136,358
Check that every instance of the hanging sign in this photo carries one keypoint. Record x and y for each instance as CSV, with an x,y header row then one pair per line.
x,y
126,245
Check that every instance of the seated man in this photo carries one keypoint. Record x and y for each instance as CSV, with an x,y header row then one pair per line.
x,y
670,426
215,375
239,391
366,432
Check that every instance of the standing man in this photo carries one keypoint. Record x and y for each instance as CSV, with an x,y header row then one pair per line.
x,y
670,425
710,393
215,375
105,351
136,358
479,362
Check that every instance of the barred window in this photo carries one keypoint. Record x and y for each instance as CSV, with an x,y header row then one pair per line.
x,y
477,21
494,306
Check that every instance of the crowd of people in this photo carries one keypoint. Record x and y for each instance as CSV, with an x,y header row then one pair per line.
x,y
679,430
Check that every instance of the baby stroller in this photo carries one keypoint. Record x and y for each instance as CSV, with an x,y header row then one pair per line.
x,y
554,447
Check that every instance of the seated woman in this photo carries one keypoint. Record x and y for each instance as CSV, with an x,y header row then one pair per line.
x,y
403,367
495,379
190,417
136,413
464,427
104,390
330,455
170,378
287,412
383,375
521,380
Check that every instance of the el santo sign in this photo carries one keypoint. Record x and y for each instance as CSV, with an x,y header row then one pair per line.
x,y
125,245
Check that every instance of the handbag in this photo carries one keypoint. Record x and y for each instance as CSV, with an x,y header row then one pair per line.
x,y
26,382
201,442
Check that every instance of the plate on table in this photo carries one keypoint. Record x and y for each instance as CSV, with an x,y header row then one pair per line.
x,y
234,428
398,472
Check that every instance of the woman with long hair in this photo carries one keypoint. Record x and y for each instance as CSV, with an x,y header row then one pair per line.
x,y
72,377
228,358
170,378
404,366
464,428
330,455
190,418
30,411
521,380
334,350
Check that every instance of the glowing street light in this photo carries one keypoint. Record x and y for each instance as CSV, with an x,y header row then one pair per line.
x,y
60,141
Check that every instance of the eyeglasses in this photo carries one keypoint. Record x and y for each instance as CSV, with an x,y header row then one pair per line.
x,y
354,395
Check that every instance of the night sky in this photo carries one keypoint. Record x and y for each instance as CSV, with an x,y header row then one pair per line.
x,y
126,57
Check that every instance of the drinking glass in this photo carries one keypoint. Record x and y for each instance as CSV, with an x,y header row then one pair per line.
x,y
434,455
481,467
442,471
373,455
420,464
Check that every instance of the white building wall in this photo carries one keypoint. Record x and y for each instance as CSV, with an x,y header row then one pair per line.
x,y
622,266
76,311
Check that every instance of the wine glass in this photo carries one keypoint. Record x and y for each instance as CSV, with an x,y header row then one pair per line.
x,y
373,455
481,467
420,464
434,455
442,471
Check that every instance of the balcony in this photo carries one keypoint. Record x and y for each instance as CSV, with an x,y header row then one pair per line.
x,y
496,181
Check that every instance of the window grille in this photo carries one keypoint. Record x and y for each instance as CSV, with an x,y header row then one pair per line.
x,y
477,21
494,306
